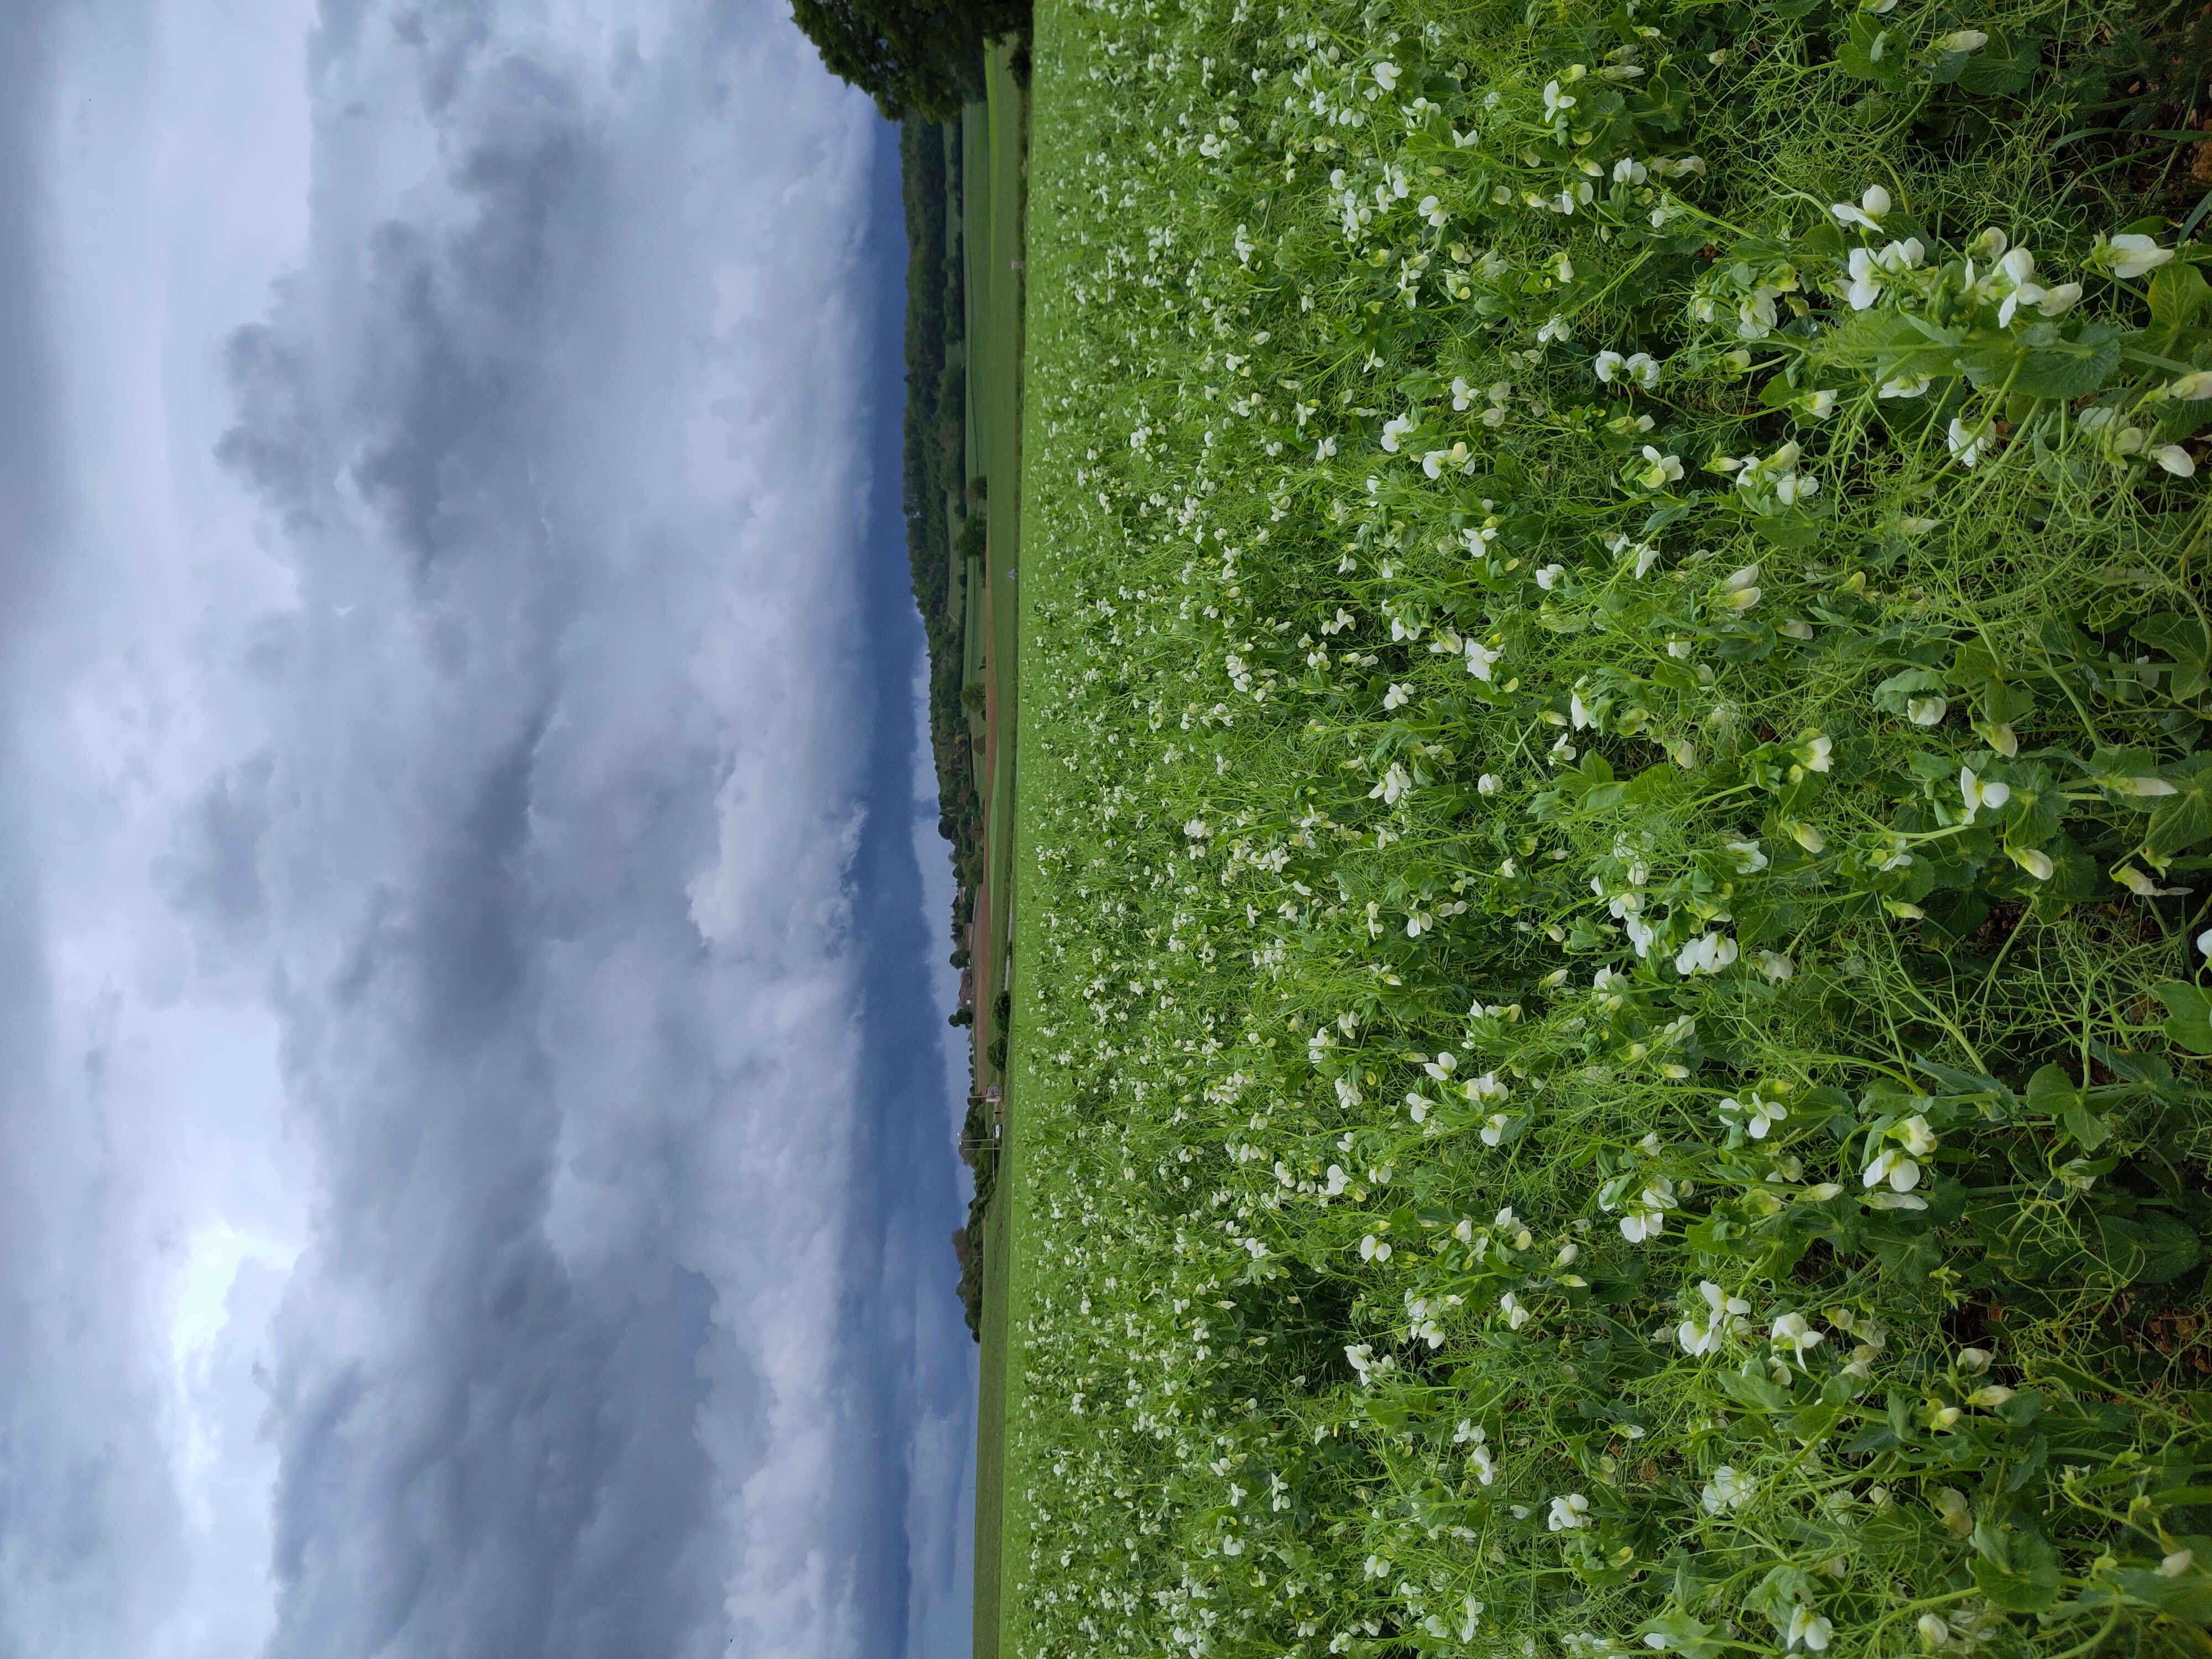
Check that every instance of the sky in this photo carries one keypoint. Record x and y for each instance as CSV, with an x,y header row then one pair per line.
x,y
477,1138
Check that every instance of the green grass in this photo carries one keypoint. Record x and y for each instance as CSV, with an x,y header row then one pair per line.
x,y
996,131
1547,1125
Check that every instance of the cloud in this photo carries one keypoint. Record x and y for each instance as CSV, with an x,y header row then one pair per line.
x,y
531,849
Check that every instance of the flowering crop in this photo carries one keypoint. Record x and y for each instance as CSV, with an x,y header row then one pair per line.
x,y
1614,821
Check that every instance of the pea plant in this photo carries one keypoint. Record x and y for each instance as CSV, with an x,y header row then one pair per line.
x,y
1610,1027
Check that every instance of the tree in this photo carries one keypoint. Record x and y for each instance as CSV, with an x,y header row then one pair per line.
x,y
913,56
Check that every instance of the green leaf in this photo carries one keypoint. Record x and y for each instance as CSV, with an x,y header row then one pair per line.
x,y
1685,1635
1748,1388
2182,638
2004,65
1792,530
2182,819
2151,1247
2086,1126
1872,53
1973,1084
1892,695
2177,295
2072,370
2187,1596
2028,1581
2051,1089
2188,1016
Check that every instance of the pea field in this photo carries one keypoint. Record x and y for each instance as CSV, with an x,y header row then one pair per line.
x,y
1616,832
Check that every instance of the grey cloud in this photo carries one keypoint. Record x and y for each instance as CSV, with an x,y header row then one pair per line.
x,y
615,1333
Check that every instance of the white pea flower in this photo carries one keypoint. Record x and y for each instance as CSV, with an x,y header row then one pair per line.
x,y
1934,1632
1338,1181
2204,943
1792,1332
2174,1566
1867,214
1607,364
1807,1628
1926,711
1550,576
1723,1314
1905,386
1481,658
1463,393
1516,1315
2129,255
1659,471
1973,1362
1395,428
1708,953
1774,966
2038,864
1958,1514
1645,1217
1489,784
1866,280
1893,1165
1979,793
2012,279
1568,1513
1386,75
1394,787
1556,102
1484,1465
1372,1249
1820,404
2175,459
1755,316
1727,1490
1397,697
2141,885
1968,445
1629,171
1749,860
1433,210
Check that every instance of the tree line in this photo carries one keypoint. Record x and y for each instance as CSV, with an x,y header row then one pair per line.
x,y
916,57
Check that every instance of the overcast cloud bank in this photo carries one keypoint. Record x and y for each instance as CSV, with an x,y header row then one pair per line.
x,y
471,1189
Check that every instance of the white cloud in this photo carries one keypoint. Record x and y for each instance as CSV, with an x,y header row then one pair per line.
x,y
438,908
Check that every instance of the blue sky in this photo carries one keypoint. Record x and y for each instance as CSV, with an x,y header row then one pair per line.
x,y
476,1156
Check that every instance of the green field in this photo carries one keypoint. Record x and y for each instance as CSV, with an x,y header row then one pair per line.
x,y
1612,835
994,144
